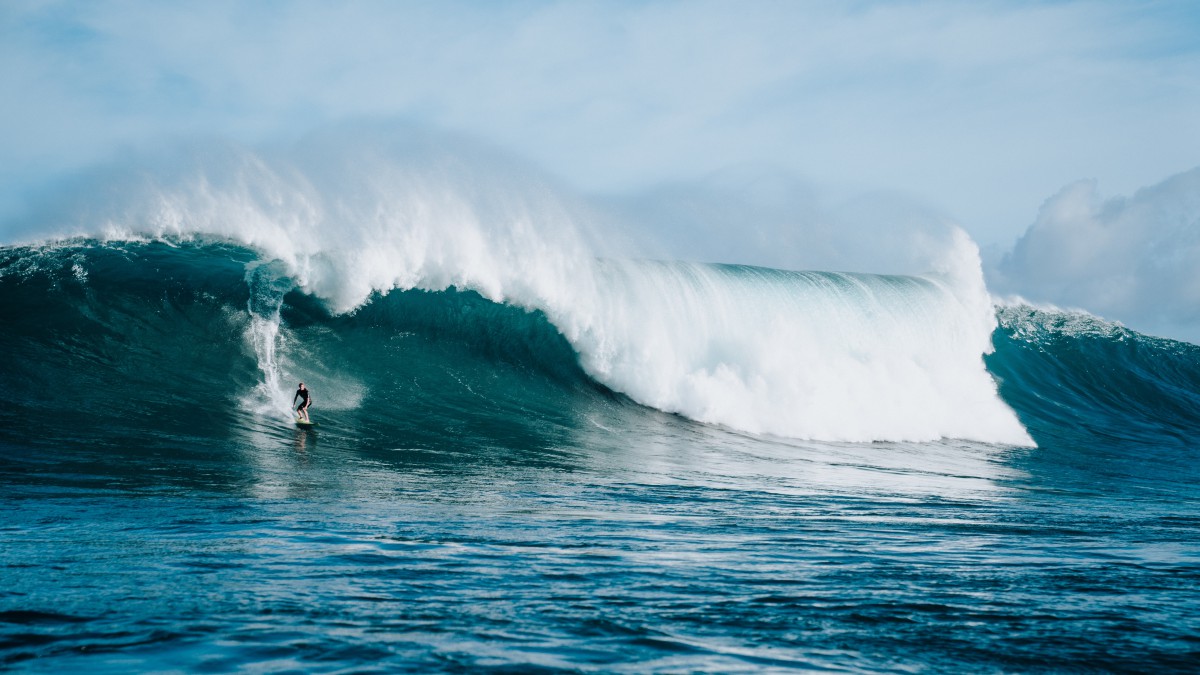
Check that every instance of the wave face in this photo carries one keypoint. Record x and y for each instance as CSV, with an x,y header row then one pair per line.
x,y
135,330
1100,398
847,357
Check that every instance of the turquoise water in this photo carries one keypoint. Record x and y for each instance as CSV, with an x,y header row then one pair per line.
x,y
474,500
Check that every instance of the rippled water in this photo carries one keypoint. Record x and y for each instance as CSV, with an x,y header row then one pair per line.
x,y
715,552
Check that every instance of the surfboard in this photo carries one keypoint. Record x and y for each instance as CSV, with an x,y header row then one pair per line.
x,y
306,425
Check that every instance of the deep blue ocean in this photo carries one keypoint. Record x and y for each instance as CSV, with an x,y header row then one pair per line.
x,y
493,488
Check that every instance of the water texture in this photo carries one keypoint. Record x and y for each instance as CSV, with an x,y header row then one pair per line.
x,y
514,480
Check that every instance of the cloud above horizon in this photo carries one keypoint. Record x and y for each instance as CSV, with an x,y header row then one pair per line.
x,y
1135,259
981,109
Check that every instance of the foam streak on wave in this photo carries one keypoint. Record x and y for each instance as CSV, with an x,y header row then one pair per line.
x,y
268,284
810,355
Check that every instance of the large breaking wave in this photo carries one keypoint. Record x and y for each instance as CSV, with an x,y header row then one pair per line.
x,y
814,355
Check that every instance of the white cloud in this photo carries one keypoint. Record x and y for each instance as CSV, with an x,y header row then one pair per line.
x,y
1133,259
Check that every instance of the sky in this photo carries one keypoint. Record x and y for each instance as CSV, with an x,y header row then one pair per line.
x,y
980,111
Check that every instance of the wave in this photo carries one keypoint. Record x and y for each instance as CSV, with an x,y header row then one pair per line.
x,y
1076,378
817,355
811,355
151,336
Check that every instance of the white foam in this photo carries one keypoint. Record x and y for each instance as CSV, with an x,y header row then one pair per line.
x,y
818,356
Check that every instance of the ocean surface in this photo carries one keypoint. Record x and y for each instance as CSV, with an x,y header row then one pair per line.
x,y
491,489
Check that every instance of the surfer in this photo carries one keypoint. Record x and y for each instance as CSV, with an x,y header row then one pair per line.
x,y
305,400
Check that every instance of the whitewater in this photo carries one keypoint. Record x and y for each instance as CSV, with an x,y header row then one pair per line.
x,y
543,448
